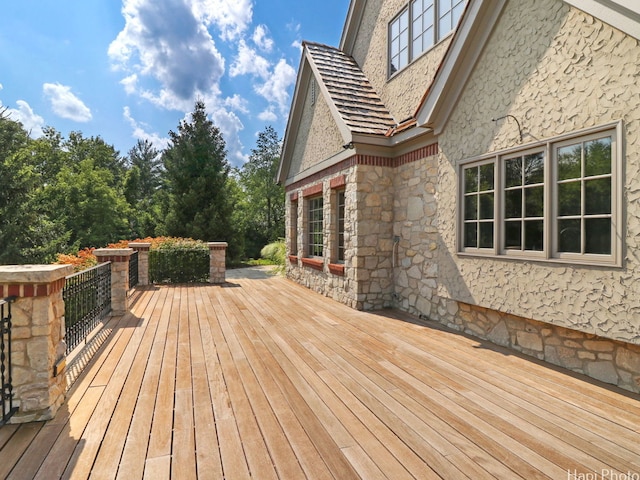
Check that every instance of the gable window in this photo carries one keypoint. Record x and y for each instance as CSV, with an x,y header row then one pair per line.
x,y
315,227
425,22
559,200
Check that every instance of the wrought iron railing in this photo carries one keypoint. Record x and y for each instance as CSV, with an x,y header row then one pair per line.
x,y
87,300
5,360
133,270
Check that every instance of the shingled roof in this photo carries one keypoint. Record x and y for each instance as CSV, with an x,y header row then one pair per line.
x,y
355,99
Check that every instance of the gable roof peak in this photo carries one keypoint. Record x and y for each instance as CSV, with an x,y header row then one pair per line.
x,y
348,90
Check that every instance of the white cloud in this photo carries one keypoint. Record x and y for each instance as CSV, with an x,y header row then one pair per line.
x,y
230,126
237,103
275,89
261,38
249,62
232,17
167,42
140,133
31,121
65,104
268,115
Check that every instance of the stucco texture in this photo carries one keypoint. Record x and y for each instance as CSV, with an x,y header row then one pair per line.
x,y
558,70
318,135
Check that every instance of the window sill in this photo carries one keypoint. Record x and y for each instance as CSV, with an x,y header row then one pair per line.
x,y
587,262
313,263
293,259
336,269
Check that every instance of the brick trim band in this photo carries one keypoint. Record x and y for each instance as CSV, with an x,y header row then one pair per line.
x,y
338,182
28,290
113,258
314,190
369,160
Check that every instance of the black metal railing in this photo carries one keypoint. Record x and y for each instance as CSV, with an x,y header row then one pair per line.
x,y
5,360
133,270
87,300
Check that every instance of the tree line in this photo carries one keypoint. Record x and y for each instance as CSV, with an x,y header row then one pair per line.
x,y
59,195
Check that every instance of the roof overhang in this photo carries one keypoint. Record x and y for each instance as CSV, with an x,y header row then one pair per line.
x,y
621,14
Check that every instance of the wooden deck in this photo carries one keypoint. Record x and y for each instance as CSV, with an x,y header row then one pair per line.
x,y
261,378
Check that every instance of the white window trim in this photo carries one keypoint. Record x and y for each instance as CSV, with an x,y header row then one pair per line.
x,y
308,244
549,254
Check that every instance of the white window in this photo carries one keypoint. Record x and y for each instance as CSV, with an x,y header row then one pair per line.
x,y
315,227
425,22
339,254
558,200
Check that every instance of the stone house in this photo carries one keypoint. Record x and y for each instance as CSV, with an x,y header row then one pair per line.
x,y
476,163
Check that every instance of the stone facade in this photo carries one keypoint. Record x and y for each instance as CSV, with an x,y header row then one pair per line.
x,y
119,258
38,330
217,265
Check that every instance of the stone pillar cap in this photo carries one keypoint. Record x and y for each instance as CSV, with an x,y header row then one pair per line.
x,y
139,244
34,273
108,252
217,244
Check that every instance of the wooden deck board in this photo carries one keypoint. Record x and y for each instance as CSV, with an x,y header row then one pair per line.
x,y
261,378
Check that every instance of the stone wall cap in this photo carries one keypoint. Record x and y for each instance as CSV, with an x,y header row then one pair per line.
x,y
34,273
110,252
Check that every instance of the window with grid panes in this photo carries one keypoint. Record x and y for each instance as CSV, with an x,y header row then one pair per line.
x,y
315,227
420,26
340,202
559,200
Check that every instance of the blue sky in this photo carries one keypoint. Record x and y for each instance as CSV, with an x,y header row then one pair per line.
x,y
132,69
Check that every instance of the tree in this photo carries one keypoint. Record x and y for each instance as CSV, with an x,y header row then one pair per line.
x,y
141,188
197,172
27,234
265,199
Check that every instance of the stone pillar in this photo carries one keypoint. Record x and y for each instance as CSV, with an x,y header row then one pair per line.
x,y
119,258
217,265
143,261
38,330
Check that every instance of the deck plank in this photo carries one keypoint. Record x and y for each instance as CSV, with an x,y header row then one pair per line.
x,y
261,378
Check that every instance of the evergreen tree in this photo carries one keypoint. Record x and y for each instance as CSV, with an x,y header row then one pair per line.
x,y
196,172
141,189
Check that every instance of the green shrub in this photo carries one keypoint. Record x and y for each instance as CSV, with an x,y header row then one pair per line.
x,y
179,261
275,253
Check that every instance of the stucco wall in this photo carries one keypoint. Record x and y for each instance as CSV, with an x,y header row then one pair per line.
x,y
558,70
402,93
318,136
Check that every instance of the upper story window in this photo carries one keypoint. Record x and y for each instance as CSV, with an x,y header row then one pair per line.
x,y
558,200
424,22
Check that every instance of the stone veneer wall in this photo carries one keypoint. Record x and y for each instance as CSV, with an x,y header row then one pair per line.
x,y
340,287
373,231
